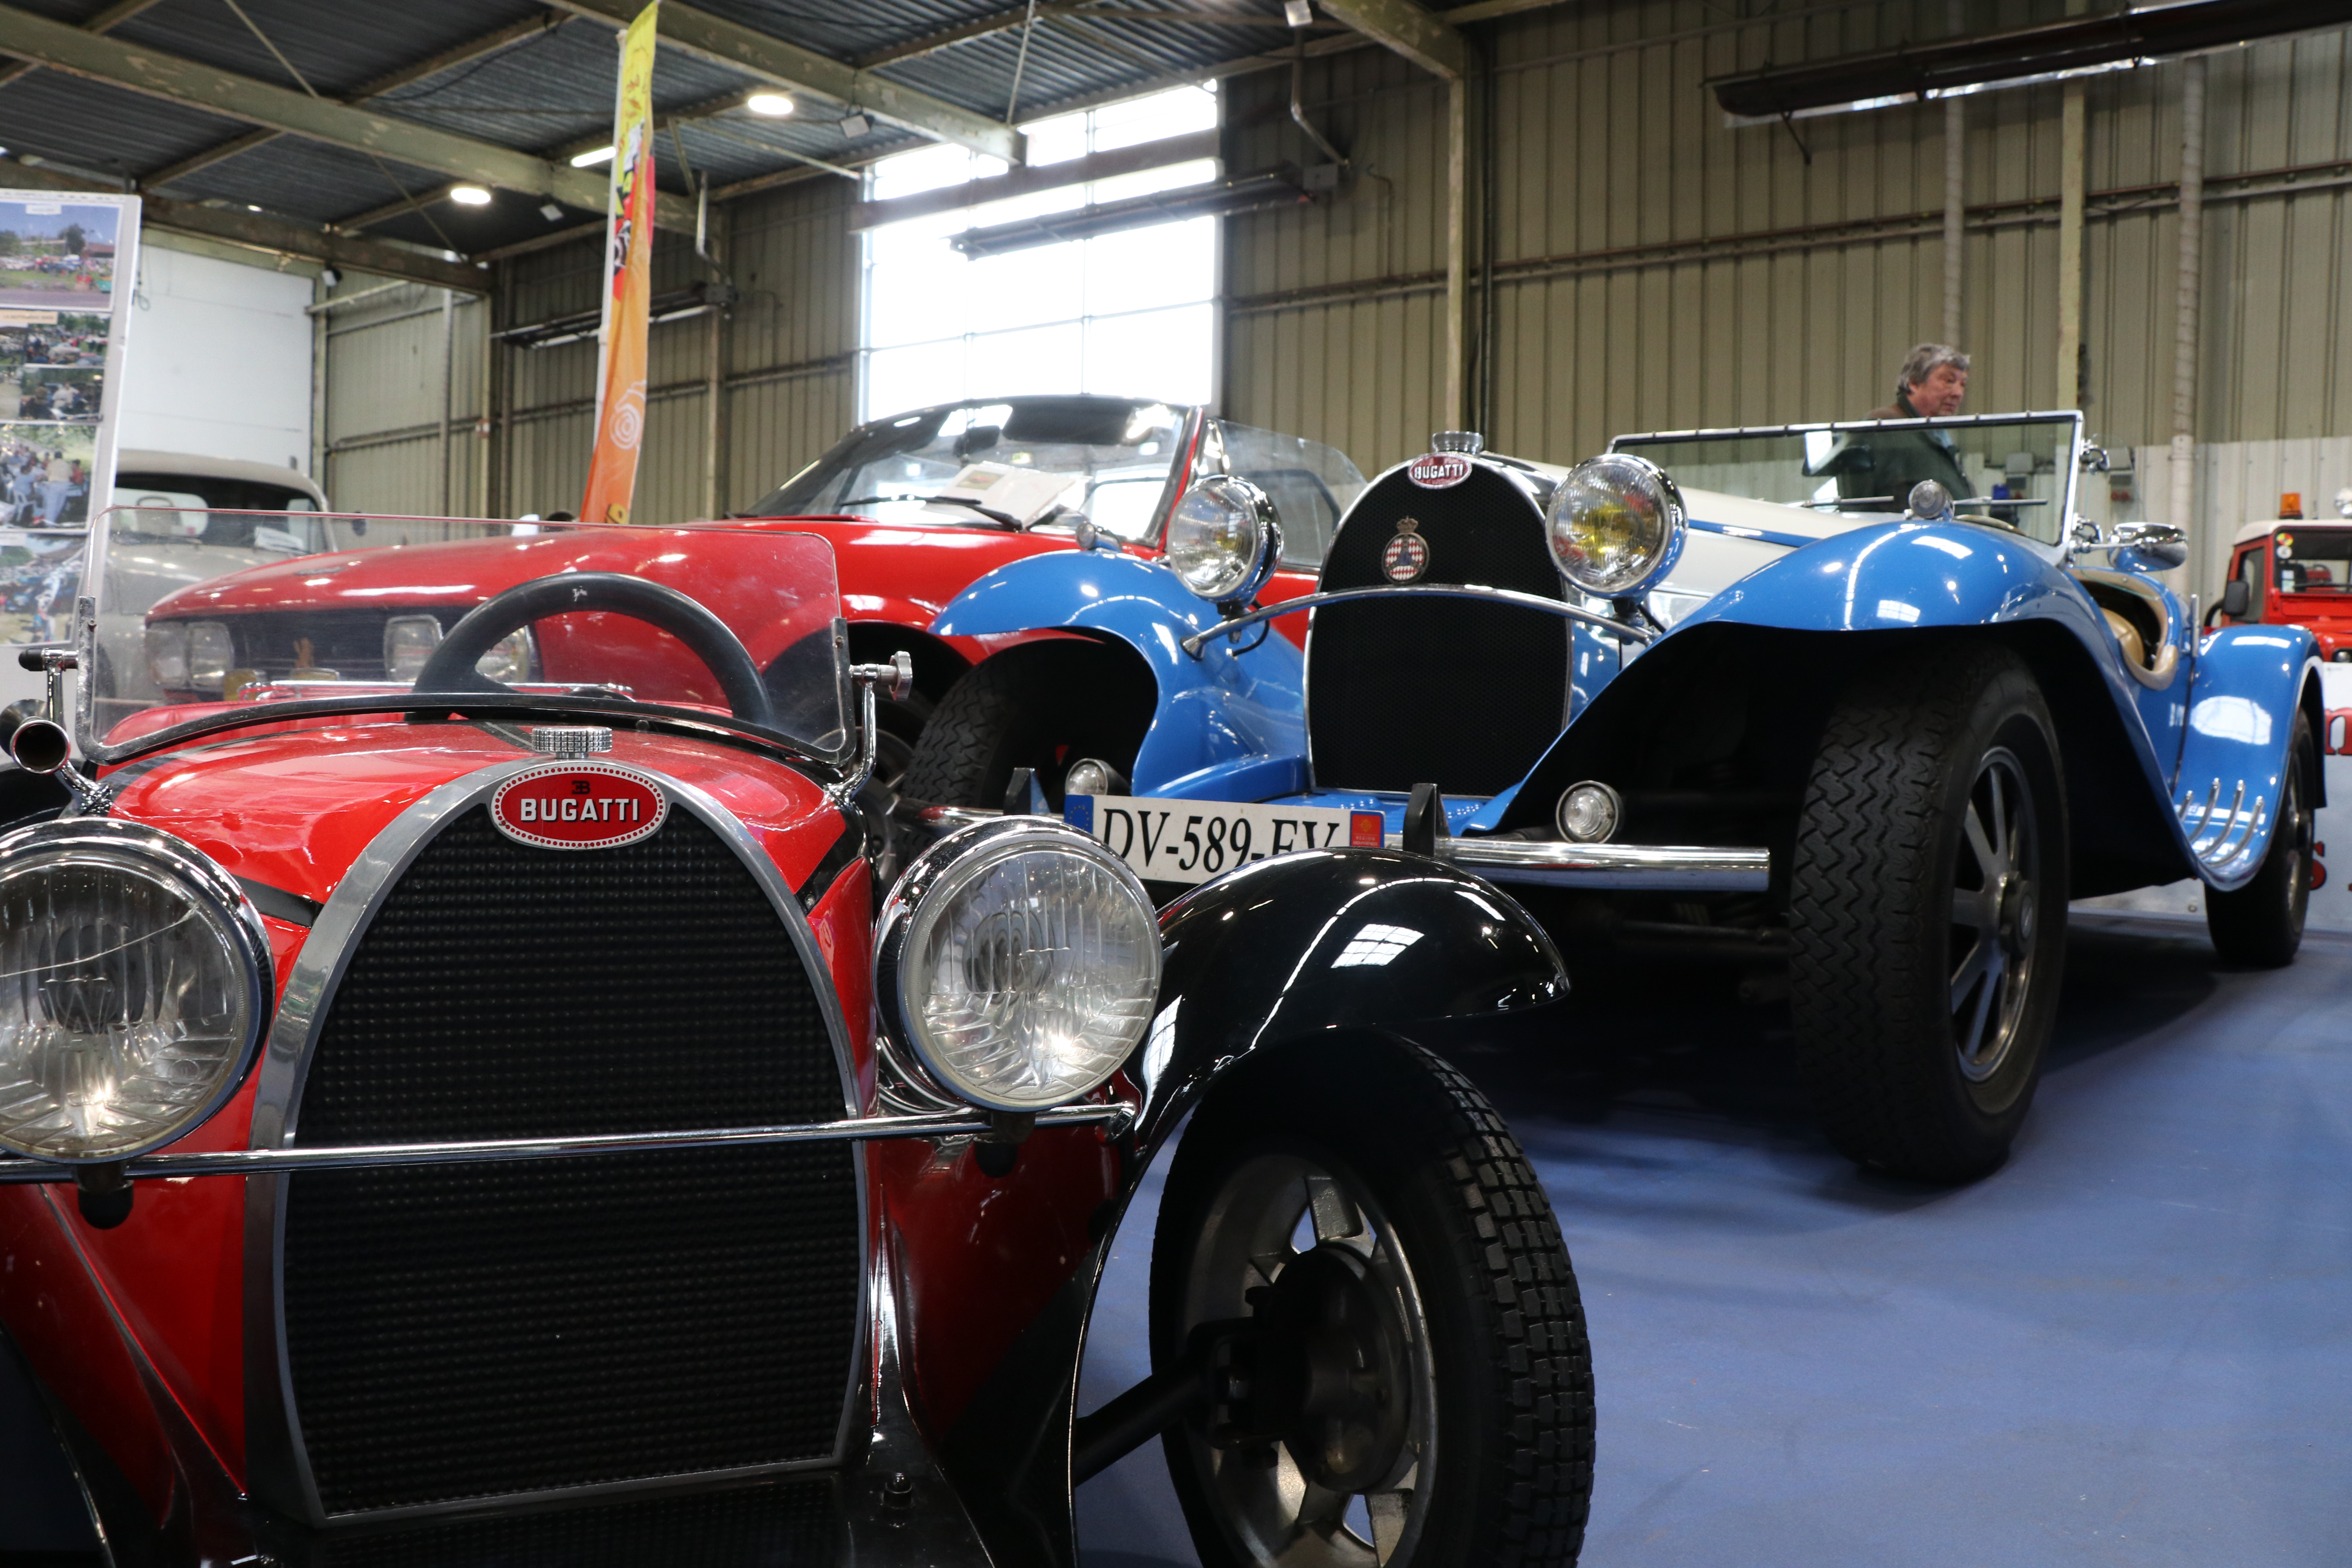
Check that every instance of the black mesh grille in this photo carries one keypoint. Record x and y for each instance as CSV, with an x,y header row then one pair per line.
x,y
780,1525
468,1331
1455,692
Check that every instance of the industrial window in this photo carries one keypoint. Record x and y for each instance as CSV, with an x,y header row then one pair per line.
x,y
1126,313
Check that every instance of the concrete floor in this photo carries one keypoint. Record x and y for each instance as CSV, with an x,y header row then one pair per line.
x,y
2132,1345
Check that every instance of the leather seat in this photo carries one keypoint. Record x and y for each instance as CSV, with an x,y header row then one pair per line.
x,y
2131,606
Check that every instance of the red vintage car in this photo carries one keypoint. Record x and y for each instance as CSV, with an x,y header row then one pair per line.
x,y
916,506
2294,573
554,1119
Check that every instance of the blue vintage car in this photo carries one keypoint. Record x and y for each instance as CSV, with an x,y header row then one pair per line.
x,y
1855,707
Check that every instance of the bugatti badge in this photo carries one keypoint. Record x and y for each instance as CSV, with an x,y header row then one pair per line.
x,y
1438,470
579,806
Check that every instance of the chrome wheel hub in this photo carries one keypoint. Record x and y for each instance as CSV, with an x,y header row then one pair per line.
x,y
1316,1453
1995,914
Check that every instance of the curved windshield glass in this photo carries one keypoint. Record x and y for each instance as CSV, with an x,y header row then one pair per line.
x,y
1013,462
2014,470
195,615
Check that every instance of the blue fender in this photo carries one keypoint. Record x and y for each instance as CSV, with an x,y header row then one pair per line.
x,y
1229,726
2248,683
2242,691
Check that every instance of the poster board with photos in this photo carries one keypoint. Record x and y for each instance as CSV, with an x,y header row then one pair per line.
x,y
68,268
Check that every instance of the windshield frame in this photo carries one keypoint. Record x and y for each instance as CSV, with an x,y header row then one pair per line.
x,y
371,698
2069,473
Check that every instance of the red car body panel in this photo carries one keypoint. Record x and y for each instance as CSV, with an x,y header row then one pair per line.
x,y
98,1313
890,575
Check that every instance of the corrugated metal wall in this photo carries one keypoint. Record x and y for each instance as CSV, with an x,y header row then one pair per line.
x,y
1653,269
1658,269
785,353
380,424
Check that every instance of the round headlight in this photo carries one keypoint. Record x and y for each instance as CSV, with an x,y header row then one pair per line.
x,y
134,984
1020,961
1615,524
1223,539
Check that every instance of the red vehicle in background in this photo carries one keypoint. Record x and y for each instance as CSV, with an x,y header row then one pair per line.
x,y
920,504
2295,573
916,507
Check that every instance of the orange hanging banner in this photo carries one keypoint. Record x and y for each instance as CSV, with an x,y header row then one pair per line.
x,y
628,266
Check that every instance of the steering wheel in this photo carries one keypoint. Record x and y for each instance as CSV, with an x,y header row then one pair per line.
x,y
450,672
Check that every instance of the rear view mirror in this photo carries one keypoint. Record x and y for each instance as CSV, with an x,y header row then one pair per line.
x,y
2160,545
2237,598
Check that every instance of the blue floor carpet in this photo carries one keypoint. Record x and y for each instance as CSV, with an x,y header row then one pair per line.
x,y
2132,1346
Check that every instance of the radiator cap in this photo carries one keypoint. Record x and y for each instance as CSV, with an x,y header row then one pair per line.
x,y
570,740
1469,443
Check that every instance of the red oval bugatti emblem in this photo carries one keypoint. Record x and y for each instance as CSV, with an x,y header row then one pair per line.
x,y
1438,470
579,806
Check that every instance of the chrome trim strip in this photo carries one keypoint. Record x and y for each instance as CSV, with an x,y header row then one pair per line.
x,y
1641,635
367,1156
1665,867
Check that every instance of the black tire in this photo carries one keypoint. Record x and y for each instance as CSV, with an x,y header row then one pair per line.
x,y
1452,1231
901,726
1927,911
2261,924
1041,706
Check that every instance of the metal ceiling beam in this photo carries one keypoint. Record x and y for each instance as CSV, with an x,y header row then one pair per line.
x,y
1418,37
113,17
772,60
461,53
276,237
53,44
1067,11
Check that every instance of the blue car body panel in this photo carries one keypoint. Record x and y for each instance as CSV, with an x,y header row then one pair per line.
x,y
1232,727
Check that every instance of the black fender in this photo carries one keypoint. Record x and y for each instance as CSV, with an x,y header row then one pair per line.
x,y
1251,965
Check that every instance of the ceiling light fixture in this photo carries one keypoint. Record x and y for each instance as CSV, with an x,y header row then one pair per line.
x,y
773,104
591,158
469,196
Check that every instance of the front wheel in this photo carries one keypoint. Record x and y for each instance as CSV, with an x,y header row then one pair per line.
x,y
2261,924
1927,911
1041,706
1413,1386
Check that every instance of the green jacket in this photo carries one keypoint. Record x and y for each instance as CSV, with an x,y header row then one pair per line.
x,y
1901,458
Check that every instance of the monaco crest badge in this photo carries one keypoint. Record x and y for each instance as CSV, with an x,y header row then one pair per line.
x,y
1407,556
1438,470
579,806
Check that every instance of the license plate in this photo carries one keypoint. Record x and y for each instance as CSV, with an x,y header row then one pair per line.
x,y
1190,841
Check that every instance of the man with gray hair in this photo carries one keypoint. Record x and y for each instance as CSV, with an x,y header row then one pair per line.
x,y
1930,385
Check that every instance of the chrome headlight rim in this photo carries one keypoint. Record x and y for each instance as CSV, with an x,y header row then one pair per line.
x,y
106,841
1668,498
935,876
1245,572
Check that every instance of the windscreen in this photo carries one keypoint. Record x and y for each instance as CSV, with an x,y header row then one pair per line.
x,y
2312,560
2013,472
194,615
1011,463
1310,484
